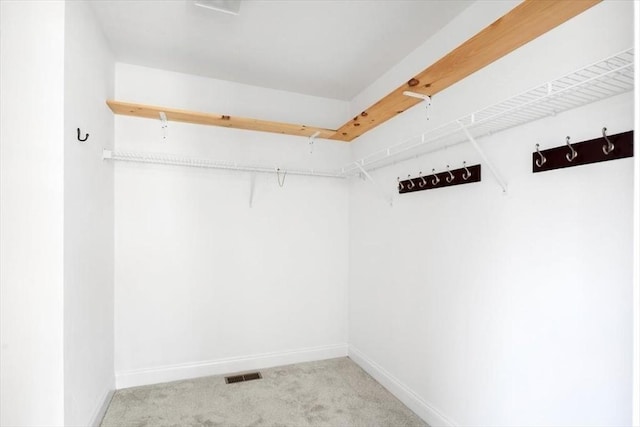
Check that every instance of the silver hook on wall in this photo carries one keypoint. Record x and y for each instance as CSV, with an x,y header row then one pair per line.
x,y
571,156
281,184
450,178
411,185
424,181
606,149
400,186
542,160
435,175
467,174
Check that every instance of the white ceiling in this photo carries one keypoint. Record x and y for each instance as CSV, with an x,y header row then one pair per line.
x,y
328,48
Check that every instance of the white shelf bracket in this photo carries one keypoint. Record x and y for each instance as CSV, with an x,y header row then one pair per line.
x,y
425,98
484,158
163,124
383,193
312,139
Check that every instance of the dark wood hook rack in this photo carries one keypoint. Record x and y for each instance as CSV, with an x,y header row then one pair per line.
x,y
595,150
464,175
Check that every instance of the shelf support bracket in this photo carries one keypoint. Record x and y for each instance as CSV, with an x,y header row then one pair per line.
x,y
483,156
425,98
312,139
366,174
163,124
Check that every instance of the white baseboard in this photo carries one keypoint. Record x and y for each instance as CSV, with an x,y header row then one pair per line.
x,y
423,409
185,371
101,409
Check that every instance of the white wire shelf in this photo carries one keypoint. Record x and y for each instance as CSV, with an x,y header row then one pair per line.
x,y
609,77
168,159
603,79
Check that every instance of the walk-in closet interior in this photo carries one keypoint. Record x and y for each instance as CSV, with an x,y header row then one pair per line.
x,y
438,197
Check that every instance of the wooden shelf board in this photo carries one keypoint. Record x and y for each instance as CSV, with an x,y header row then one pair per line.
x,y
175,115
519,26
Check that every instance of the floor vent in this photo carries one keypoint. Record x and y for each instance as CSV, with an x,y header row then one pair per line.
x,y
244,377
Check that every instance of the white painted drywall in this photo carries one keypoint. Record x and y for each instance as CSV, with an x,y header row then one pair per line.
x,y
202,279
488,309
178,90
460,29
636,235
88,219
31,212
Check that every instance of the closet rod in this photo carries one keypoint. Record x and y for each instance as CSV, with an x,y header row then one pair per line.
x,y
167,159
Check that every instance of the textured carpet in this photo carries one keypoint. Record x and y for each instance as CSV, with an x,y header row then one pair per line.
x,y
334,392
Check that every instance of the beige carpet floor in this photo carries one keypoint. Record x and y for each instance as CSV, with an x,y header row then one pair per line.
x,y
334,392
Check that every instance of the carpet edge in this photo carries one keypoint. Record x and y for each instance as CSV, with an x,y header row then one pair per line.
x,y
101,409
184,371
410,398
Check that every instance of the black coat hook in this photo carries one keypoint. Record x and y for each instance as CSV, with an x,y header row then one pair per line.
x,y
85,138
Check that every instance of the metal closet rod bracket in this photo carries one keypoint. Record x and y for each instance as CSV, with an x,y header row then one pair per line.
x,y
388,198
484,158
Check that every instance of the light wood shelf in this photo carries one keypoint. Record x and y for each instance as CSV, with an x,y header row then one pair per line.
x,y
185,116
525,22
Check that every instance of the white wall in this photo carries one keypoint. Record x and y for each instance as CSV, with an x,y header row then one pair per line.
x,y
88,219
31,212
636,237
468,23
478,308
530,323
223,97
204,283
